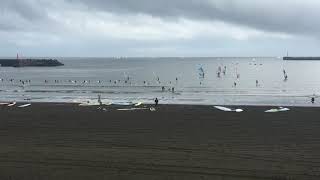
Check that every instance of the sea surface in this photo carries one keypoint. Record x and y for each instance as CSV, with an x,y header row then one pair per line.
x,y
195,81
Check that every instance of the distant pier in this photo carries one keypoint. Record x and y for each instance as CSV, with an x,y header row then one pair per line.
x,y
288,58
29,62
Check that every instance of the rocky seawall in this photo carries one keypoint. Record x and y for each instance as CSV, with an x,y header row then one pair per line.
x,y
30,62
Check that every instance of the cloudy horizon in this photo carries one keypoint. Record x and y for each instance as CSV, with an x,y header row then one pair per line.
x,y
107,28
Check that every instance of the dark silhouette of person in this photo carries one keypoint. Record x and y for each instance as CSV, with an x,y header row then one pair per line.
x,y
156,101
312,100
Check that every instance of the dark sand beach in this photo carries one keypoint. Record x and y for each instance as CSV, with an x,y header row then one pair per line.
x,y
65,141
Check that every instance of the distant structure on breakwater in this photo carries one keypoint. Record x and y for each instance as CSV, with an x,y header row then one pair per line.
x,y
288,58
29,62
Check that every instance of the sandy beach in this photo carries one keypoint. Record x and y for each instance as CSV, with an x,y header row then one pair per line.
x,y
65,141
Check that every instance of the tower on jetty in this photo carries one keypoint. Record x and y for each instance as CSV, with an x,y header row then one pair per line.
x,y
29,62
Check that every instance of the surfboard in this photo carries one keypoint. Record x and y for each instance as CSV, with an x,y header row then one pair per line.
x,y
25,105
138,104
152,109
89,104
1,104
281,109
272,110
223,108
228,109
284,109
132,109
122,103
12,104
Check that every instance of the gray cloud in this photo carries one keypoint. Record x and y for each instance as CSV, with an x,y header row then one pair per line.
x,y
293,17
284,16
23,15
62,25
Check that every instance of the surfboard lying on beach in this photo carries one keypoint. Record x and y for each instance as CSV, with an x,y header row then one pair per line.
x,y
12,104
24,105
152,109
228,109
280,109
132,109
138,104
89,104
122,103
3,104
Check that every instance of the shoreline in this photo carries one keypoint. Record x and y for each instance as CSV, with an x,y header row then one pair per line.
x,y
163,104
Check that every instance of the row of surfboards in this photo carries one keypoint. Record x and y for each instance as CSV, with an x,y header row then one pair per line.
x,y
280,109
135,108
15,103
109,103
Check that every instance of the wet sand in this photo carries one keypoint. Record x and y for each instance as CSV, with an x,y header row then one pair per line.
x,y
65,141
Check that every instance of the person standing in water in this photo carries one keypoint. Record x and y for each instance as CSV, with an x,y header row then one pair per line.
x,y
99,100
224,70
156,101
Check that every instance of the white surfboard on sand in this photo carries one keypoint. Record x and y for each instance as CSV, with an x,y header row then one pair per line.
x,y
222,108
132,109
152,109
122,103
24,105
138,104
12,104
281,109
228,109
3,104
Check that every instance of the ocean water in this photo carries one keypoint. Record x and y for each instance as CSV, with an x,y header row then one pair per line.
x,y
195,81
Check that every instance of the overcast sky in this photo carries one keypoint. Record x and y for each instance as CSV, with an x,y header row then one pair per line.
x,y
100,28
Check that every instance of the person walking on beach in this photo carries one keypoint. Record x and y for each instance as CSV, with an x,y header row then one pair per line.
x,y
156,101
312,100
